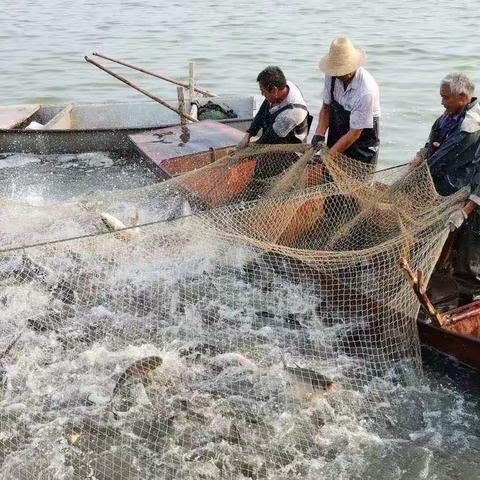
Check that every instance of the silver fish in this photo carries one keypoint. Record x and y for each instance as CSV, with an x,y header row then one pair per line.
x,y
309,377
139,369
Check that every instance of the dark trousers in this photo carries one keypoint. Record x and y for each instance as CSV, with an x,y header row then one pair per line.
x,y
466,265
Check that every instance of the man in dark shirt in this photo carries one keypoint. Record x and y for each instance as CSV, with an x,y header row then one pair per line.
x,y
452,153
283,118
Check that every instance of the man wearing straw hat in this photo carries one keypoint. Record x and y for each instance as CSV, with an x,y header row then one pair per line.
x,y
349,117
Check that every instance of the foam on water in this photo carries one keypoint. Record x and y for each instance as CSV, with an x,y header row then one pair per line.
x,y
57,412
46,179
56,405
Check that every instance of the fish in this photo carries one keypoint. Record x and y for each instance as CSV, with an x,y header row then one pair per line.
x,y
309,377
32,269
10,346
137,370
234,359
196,351
180,209
184,405
292,322
64,292
114,224
60,288
233,435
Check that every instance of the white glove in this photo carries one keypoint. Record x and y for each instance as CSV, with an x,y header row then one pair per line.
x,y
456,219
244,141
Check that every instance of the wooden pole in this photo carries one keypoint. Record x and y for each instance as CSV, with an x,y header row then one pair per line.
x,y
205,93
141,90
181,104
416,282
191,81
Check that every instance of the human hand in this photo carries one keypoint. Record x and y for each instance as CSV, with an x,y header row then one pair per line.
x,y
417,160
317,141
244,141
456,219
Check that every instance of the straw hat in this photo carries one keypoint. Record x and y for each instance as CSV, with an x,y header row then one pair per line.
x,y
342,58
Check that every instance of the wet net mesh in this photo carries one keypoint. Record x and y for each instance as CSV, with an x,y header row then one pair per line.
x,y
215,338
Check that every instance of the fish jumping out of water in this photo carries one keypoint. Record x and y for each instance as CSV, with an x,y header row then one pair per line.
x,y
309,377
141,370
233,359
59,287
114,224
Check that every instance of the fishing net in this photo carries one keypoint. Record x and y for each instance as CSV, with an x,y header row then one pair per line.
x,y
218,338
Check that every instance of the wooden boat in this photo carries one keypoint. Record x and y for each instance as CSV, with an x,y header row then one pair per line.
x,y
459,337
451,331
175,151
96,127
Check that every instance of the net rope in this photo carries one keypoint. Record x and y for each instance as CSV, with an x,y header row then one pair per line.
x,y
214,338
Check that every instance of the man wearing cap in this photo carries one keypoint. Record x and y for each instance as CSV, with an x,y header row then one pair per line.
x,y
350,113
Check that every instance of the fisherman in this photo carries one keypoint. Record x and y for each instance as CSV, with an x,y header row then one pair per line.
x,y
452,153
283,116
351,104
284,119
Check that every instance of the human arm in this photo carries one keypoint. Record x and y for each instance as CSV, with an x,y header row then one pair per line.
x,y
456,218
417,159
324,114
346,141
323,120
422,154
255,126
323,123
361,117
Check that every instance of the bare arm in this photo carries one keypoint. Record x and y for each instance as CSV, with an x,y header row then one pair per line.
x,y
346,141
469,208
323,120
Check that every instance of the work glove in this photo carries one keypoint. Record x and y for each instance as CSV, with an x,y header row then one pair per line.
x,y
244,141
316,159
456,219
317,141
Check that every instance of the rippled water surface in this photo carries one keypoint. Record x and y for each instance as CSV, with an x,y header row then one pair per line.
x,y
429,430
411,45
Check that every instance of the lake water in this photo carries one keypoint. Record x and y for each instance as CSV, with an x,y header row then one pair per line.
x,y
431,430
409,47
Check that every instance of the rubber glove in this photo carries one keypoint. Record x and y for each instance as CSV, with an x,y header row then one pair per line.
x,y
317,141
244,141
456,219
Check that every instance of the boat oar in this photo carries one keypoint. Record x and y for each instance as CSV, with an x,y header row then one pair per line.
x,y
205,93
141,90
